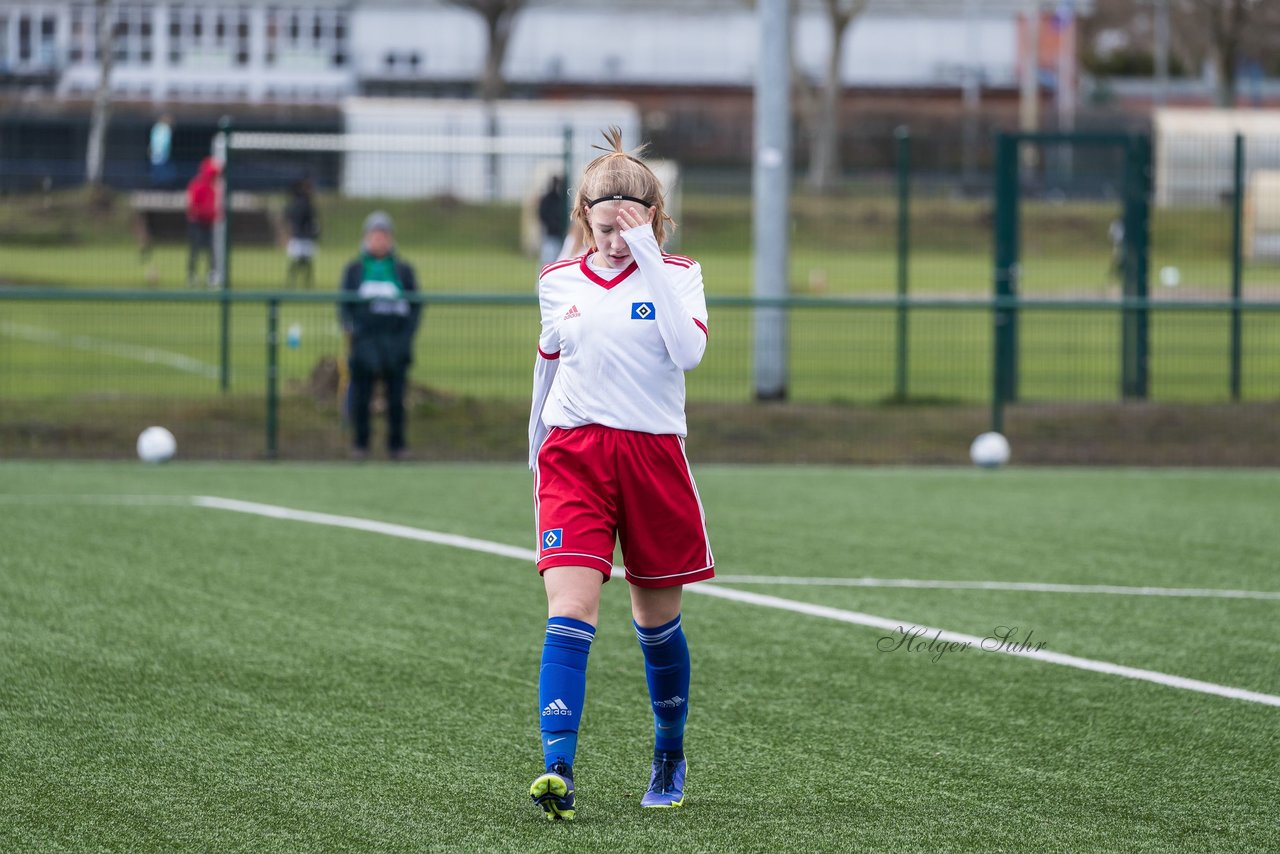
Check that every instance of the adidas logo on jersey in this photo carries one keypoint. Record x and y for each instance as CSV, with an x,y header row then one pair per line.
x,y
572,313
556,707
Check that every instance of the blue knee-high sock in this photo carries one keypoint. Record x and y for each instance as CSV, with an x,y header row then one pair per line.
x,y
562,687
666,667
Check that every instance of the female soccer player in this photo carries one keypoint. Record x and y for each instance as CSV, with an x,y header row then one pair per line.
x,y
620,326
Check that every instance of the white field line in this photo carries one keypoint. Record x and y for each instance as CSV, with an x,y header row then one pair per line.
x,y
943,636
1024,586
113,500
87,343
779,580
854,617
402,531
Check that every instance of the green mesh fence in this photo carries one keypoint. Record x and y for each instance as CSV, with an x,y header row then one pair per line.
x,y
81,373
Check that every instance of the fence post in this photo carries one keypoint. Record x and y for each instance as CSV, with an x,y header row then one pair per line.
x,y
273,375
567,165
1004,374
903,135
1237,265
1136,323
223,143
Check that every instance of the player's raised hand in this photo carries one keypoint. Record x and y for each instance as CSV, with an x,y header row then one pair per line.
x,y
630,216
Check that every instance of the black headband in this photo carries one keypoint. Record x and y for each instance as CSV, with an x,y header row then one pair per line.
x,y
617,198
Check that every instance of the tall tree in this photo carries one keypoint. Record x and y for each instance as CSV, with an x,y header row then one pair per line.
x,y
818,102
499,21
1222,33
824,145
1225,22
101,117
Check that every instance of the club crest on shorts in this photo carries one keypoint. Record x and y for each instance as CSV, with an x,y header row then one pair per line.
x,y
553,538
642,311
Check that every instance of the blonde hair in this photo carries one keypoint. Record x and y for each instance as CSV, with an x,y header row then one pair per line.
x,y
617,173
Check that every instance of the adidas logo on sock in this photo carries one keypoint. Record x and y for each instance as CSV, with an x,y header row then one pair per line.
x,y
572,313
674,703
556,707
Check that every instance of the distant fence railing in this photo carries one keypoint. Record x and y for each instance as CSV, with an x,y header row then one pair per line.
x,y
73,358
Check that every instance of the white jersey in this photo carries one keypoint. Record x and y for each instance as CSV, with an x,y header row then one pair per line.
x,y
619,341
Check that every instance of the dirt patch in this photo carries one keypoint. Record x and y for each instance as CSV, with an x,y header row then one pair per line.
x,y
448,428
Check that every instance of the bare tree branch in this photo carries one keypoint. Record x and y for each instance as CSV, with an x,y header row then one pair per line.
x,y
101,117
824,150
1222,25
1223,33
499,21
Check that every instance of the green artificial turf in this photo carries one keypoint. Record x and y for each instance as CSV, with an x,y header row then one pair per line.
x,y
181,678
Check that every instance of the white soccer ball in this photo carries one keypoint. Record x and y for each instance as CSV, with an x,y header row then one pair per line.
x,y
1170,277
156,445
989,450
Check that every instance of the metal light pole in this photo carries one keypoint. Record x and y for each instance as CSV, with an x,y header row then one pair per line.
x,y
1162,51
771,196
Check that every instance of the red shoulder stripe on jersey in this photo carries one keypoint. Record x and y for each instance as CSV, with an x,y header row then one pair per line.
x,y
678,262
556,354
556,265
685,258
701,326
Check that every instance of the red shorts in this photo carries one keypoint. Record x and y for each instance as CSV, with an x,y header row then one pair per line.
x,y
594,484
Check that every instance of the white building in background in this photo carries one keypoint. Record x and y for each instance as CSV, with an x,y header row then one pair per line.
x,y
437,146
691,42
174,51
269,50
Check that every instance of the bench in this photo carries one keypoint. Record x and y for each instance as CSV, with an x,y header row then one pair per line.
x,y
160,216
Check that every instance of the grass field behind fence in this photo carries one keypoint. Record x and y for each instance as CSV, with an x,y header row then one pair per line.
x,y
844,244
182,678
837,354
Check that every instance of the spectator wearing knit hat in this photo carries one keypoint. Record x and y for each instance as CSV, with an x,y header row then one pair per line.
x,y
380,324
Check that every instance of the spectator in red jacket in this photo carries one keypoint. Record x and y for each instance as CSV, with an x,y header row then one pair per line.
x,y
202,213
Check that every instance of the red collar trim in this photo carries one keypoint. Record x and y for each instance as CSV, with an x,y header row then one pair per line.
x,y
605,283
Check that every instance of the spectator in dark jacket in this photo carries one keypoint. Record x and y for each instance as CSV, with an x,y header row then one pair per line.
x,y
552,213
303,231
202,213
380,326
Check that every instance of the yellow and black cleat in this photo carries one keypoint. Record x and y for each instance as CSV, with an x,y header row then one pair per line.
x,y
553,791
